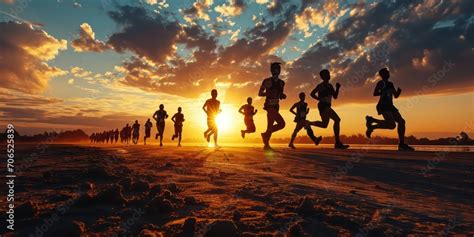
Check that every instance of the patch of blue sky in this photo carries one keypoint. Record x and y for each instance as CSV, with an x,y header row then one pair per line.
x,y
183,52
444,24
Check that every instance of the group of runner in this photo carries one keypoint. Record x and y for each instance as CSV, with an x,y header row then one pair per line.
x,y
272,89
160,116
112,136
105,136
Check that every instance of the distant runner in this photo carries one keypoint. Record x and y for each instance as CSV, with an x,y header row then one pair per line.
x,y
148,126
116,135
272,89
160,116
136,132
178,120
248,111
386,90
122,135
300,119
212,109
324,92
127,133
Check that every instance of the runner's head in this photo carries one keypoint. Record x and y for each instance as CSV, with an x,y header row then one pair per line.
x,y
302,96
384,73
179,109
162,106
325,75
136,121
214,93
249,100
275,68
148,120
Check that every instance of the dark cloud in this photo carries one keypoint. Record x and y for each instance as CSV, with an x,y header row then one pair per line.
x,y
87,40
427,48
259,41
24,53
20,100
20,114
149,37
398,34
195,36
236,66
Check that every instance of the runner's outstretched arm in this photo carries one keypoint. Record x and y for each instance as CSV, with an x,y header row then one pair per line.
x,y
241,110
314,92
398,92
204,107
262,92
173,118
292,109
377,90
282,96
336,93
255,112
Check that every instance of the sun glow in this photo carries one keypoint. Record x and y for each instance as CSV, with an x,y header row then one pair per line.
x,y
226,120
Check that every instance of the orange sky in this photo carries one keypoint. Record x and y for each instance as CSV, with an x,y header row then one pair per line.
x,y
97,66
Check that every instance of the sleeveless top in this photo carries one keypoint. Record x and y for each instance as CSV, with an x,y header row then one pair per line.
x,y
325,93
248,112
161,116
301,108
386,95
179,118
274,89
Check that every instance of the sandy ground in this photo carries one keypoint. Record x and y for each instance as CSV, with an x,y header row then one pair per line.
x,y
72,190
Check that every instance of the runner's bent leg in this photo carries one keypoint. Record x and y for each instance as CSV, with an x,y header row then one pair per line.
x,y
401,126
336,127
280,122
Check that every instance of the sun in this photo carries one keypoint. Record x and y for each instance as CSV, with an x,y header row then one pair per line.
x,y
225,120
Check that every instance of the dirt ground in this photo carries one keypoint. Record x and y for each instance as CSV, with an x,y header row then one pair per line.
x,y
74,190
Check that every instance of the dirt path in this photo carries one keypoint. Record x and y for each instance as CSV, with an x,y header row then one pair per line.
x,y
306,191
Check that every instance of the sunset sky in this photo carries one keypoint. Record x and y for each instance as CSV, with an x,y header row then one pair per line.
x,y
97,65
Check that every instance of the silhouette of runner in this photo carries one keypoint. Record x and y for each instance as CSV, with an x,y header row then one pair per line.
x,y
129,135
178,120
116,135
272,89
160,116
248,111
92,137
127,132
212,109
300,119
386,90
324,92
136,132
111,136
148,126
123,135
